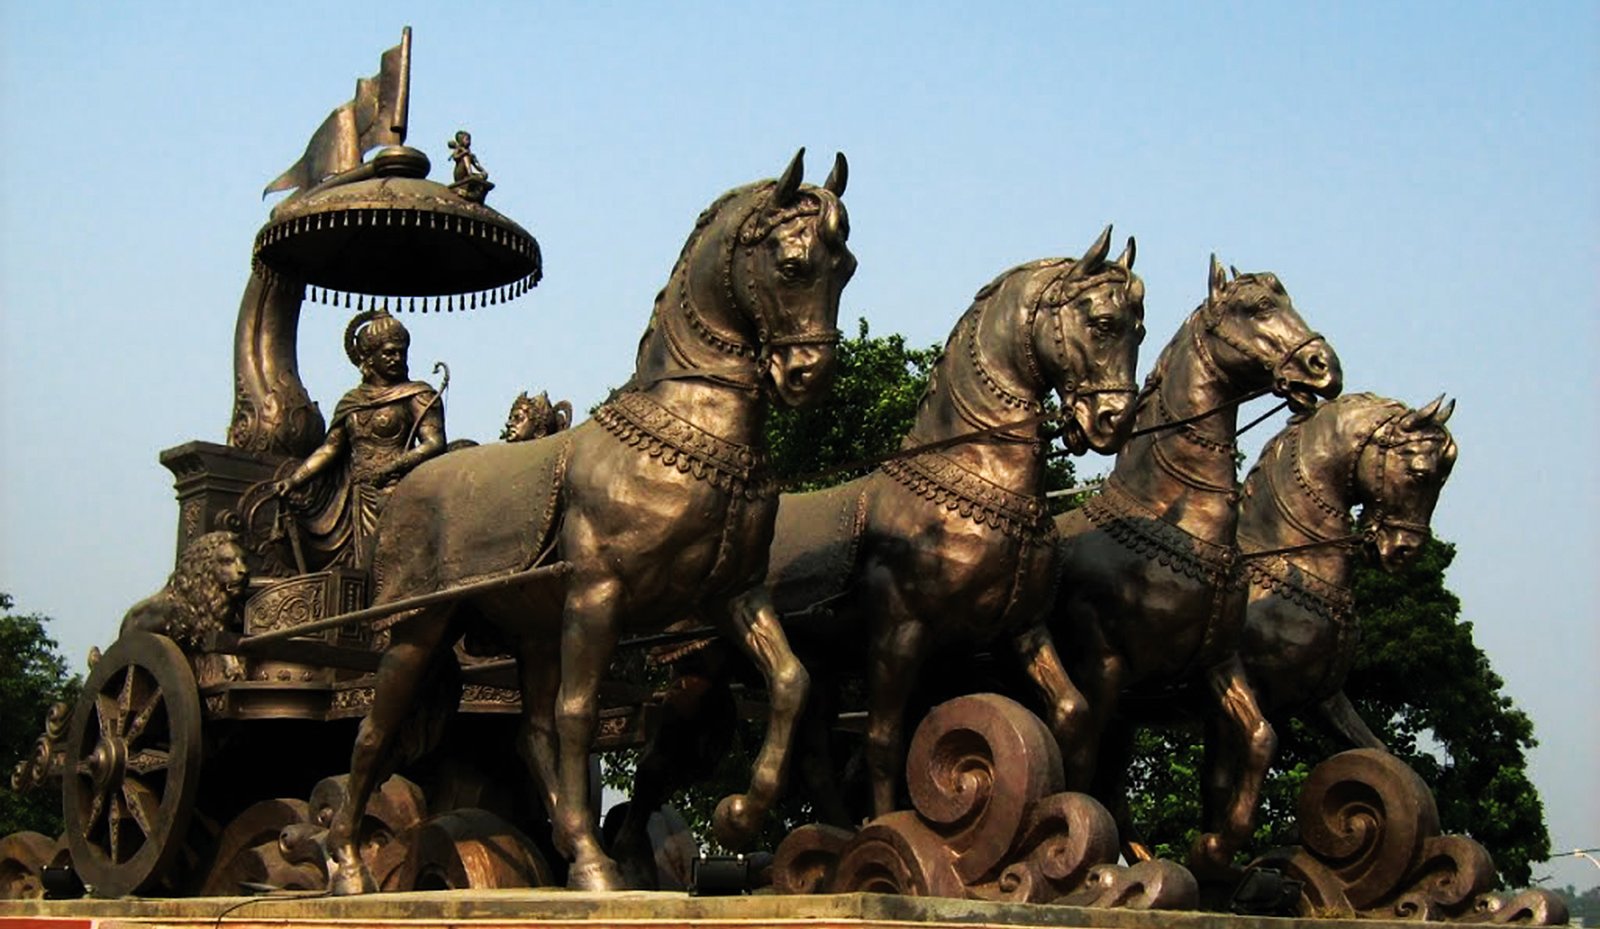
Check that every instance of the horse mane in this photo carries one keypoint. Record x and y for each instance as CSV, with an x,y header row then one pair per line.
x,y
1357,416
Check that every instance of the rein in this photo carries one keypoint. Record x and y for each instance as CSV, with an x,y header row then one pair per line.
x,y
915,450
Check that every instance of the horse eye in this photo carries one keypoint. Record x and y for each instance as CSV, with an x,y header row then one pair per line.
x,y
791,269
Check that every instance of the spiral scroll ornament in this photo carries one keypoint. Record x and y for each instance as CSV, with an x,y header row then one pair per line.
x,y
1371,847
990,821
977,767
1366,816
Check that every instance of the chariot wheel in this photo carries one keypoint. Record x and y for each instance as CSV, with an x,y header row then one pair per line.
x,y
132,765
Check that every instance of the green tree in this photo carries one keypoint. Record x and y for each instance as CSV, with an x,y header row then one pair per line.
x,y
1427,691
33,675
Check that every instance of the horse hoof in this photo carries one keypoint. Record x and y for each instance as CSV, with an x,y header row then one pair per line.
x,y
595,875
1210,860
736,823
348,880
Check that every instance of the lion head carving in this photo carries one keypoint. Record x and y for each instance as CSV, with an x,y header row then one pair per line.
x,y
205,592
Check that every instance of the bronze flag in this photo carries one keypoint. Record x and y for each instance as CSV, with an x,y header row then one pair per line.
x,y
376,116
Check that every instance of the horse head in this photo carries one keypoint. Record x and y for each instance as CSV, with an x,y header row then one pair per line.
x,y
1398,474
765,287
1253,335
1089,349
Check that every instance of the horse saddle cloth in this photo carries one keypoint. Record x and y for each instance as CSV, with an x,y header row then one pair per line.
x,y
470,515
814,547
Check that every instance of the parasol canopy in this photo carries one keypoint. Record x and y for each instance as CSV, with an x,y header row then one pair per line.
x,y
399,238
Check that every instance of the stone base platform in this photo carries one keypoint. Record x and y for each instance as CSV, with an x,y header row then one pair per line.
x,y
491,909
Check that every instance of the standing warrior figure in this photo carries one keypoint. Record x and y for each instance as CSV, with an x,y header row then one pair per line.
x,y
382,429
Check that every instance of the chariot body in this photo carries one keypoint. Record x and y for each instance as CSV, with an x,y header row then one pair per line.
x,y
214,720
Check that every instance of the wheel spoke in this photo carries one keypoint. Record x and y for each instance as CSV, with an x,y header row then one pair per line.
x,y
97,805
143,804
114,827
142,718
106,715
147,760
125,701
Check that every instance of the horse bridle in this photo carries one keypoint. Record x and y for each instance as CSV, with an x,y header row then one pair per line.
x,y
1384,441
1370,525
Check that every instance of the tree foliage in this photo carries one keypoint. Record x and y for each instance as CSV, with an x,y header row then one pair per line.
x,y
1427,691
33,675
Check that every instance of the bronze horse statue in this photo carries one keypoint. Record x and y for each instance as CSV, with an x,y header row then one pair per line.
x,y
949,546
661,504
1300,631
1150,590
1299,546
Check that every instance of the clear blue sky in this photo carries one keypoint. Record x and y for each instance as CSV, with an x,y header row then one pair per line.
x,y
1422,176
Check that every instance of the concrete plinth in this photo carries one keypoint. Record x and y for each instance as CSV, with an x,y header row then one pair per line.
x,y
624,910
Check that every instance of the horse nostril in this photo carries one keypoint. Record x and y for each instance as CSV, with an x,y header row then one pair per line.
x,y
1107,420
1318,363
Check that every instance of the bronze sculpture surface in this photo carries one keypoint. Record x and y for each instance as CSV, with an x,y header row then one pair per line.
x,y
955,545
1300,632
989,820
661,505
353,233
950,542
1150,588
1297,546
380,430
535,417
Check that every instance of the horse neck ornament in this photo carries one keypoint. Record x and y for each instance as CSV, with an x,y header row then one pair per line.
x,y
752,303
1245,339
1359,450
748,316
1058,324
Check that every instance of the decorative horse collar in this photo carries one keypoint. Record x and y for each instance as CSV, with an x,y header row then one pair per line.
x,y
642,423
945,482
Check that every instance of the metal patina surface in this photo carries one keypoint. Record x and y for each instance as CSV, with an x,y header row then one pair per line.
x,y
1150,592
664,511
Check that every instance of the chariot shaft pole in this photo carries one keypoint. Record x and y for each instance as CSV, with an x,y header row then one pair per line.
x,y
252,643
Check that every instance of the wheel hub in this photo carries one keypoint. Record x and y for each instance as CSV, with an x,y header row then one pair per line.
x,y
108,763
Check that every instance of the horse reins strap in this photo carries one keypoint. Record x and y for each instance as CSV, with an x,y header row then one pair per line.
x,y
914,451
1190,420
1349,539
692,373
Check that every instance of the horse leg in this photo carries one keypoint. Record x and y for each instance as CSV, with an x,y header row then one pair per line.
x,y
1340,716
1071,720
1254,744
673,754
897,651
822,782
755,627
539,678
588,637
412,644
1099,672
1111,788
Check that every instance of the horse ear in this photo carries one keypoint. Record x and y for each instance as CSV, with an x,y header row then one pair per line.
x,y
1233,271
789,182
1444,414
1095,257
1126,258
1416,419
838,177
1218,279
